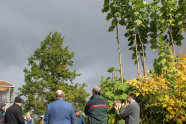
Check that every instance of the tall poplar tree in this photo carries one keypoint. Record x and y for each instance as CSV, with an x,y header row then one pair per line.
x,y
49,70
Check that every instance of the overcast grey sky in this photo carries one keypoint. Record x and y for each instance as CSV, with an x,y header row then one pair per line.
x,y
24,24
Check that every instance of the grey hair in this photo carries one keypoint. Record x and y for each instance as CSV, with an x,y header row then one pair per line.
x,y
59,94
97,90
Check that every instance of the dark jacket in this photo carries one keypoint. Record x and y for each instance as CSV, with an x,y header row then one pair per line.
x,y
96,109
131,113
1,114
14,115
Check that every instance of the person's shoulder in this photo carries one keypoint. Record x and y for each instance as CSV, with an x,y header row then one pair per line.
x,y
105,101
81,117
134,104
68,103
12,107
52,103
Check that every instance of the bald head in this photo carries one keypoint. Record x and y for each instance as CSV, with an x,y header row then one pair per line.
x,y
59,94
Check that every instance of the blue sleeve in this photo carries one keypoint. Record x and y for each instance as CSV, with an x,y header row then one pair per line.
x,y
83,122
46,116
33,121
73,116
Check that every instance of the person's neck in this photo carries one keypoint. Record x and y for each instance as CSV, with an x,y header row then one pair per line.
x,y
59,98
132,100
28,119
18,104
97,94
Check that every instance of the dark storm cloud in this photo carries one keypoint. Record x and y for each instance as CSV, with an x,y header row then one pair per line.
x,y
24,24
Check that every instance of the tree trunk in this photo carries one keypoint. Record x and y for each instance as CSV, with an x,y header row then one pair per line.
x,y
120,61
172,40
136,46
143,51
150,110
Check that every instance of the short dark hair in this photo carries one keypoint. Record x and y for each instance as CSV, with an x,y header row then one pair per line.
x,y
77,110
132,95
18,100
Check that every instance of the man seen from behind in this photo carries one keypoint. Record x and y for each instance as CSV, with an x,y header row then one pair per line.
x,y
96,108
60,111
14,113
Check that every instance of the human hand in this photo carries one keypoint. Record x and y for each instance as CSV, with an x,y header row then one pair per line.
x,y
116,108
126,104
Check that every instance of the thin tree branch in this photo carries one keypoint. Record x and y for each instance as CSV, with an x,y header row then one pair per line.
x,y
172,40
137,53
120,61
143,51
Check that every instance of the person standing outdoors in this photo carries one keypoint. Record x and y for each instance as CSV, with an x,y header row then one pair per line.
x,y
118,108
14,113
96,108
2,113
79,118
60,111
28,119
131,111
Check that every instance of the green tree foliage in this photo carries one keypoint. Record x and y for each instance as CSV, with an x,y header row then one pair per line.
x,y
113,89
134,17
49,70
148,23
157,23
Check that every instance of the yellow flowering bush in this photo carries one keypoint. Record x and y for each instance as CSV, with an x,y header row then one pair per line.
x,y
168,90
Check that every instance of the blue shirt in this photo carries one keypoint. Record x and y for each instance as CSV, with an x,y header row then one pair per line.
x,y
80,120
31,121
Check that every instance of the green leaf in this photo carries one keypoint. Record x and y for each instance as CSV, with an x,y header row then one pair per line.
x,y
136,13
161,54
138,22
111,28
114,22
122,22
111,69
116,14
109,16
